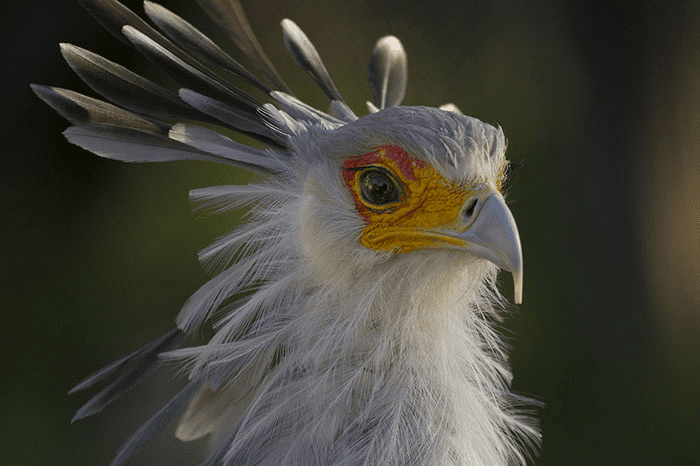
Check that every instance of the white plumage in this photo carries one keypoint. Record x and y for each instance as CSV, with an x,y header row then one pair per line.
x,y
369,256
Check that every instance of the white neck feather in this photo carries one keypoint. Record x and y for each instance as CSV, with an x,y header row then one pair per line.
x,y
394,373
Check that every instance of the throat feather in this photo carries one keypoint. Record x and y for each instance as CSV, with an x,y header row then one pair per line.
x,y
401,373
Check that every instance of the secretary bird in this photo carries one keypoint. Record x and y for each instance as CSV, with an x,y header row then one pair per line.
x,y
354,311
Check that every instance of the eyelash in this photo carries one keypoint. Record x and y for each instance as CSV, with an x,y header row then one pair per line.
x,y
508,173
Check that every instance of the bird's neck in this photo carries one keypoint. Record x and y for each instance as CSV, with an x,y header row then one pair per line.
x,y
406,370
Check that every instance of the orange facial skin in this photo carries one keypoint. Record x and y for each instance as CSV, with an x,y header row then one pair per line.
x,y
429,203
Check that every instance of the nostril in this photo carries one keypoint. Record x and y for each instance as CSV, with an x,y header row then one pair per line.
x,y
471,206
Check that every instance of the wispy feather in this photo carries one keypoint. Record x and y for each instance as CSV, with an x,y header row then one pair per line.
x,y
353,314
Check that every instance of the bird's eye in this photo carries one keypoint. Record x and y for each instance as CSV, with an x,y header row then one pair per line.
x,y
379,187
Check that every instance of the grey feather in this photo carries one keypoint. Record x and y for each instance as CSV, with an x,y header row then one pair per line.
x,y
308,58
126,88
155,424
217,199
196,43
341,110
129,145
388,72
252,349
251,123
180,66
200,306
280,122
214,143
83,110
187,75
114,133
143,362
301,110
229,16
258,442
154,346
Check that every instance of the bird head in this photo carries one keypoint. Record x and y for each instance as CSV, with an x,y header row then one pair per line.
x,y
404,180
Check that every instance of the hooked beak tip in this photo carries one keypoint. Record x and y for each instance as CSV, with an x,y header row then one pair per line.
x,y
518,286
494,236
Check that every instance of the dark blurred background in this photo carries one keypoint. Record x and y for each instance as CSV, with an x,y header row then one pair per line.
x,y
602,100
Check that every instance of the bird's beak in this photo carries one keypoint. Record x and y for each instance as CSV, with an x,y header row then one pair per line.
x,y
489,231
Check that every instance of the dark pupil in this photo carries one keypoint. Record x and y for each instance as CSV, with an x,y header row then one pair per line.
x,y
377,187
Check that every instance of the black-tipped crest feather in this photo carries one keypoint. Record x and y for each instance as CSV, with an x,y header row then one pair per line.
x,y
308,58
83,110
388,72
126,88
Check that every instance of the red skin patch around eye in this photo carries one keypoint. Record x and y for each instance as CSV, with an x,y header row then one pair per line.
x,y
403,161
